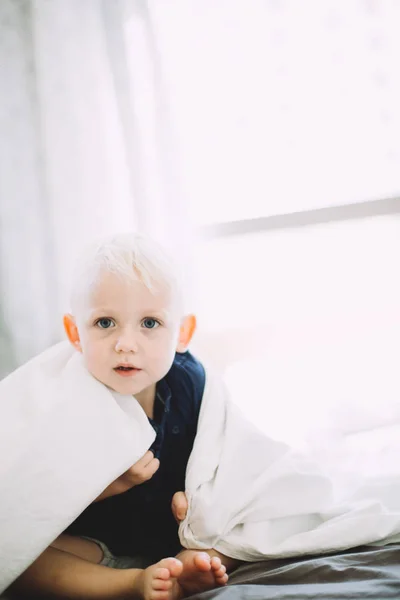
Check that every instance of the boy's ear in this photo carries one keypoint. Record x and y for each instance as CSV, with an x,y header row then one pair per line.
x,y
188,327
72,331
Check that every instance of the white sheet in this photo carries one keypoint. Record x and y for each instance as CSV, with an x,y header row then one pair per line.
x,y
251,497
64,437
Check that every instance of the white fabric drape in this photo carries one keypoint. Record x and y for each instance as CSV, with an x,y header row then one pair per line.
x,y
121,114
86,149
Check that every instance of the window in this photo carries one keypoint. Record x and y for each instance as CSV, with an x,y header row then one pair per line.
x,y
284,106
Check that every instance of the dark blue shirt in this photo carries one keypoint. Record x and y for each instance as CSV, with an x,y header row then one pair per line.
x,y
139,521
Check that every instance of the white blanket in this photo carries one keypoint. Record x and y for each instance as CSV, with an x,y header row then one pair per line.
x,y
64,437
251,497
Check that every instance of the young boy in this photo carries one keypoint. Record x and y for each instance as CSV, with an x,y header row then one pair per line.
x,y
128,324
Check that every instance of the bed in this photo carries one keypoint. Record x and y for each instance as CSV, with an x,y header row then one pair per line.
x,y
371,573
362,573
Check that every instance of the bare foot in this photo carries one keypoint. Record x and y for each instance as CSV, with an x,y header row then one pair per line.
x,y
200,572
159,582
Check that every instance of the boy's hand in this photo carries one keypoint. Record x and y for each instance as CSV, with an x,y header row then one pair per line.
x,y
179,506
141,471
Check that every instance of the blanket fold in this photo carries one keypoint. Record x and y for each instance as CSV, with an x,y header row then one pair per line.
x,y
63,439
252,498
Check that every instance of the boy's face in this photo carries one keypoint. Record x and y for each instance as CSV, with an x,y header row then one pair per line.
x,y
128,334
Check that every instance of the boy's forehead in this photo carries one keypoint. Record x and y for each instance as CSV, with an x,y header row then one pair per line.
x,y
113,292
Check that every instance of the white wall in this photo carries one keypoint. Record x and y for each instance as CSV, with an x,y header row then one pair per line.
x,y
306,323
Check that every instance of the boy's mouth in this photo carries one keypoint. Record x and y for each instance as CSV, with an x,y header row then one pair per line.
x,y
126,370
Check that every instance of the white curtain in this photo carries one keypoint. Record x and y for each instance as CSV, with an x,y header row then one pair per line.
x,y
121,114
86,149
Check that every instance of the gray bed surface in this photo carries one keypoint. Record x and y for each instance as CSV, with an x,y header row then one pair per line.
x,y
362,573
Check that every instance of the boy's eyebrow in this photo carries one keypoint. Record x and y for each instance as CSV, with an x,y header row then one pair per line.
x,y
163,313
95,311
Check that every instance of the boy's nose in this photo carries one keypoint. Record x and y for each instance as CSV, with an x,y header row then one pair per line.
x,y
127,343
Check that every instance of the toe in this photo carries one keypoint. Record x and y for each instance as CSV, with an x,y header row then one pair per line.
x,y
220,572
173,565
216,563
223,580
162,584
202,561
162,573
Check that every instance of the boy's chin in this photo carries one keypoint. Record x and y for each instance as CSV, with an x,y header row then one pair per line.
x,y
125,388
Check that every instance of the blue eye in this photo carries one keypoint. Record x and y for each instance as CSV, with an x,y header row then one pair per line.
x,y
105,323
150,323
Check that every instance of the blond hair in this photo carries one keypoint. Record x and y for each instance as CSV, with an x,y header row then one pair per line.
x,y
131,256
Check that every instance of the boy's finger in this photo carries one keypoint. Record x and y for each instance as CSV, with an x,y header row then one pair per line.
x,y
152,467
179,506
145,460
